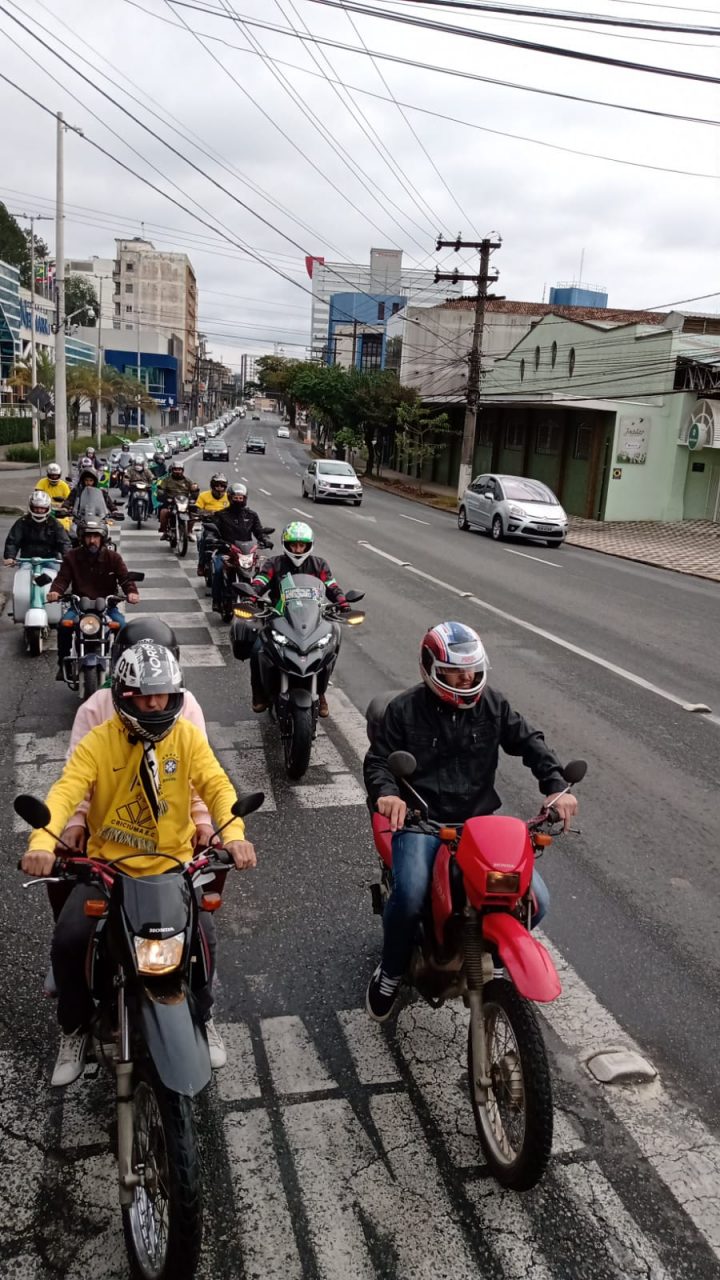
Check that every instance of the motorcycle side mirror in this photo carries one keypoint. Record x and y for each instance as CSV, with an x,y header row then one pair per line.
x,y
352,596
33,811
248,804
575,772
118,516
269,530
402,764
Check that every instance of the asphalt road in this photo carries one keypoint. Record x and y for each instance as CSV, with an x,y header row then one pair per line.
x,y
333,1149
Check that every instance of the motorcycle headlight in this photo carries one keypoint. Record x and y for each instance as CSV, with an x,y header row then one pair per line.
x,y
279,638
89,625
159,955
245,562
323,641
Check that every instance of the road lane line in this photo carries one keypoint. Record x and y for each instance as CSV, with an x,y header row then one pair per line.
x,y
526,556
414,519
265,491
684,1154
263,1220
627,1247
306,515
545,635
294,1062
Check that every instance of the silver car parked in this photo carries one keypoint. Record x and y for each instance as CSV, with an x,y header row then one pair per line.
x,y
513,507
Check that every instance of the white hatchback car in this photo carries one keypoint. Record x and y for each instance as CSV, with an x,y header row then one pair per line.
x,y
326,478
283,433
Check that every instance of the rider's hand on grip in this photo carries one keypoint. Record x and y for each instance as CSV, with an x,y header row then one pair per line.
x,y
394,809
38,863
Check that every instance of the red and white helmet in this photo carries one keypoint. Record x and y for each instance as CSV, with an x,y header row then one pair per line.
x,y
452,646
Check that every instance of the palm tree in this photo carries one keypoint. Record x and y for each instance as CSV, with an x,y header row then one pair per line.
x,y
121,392
21,375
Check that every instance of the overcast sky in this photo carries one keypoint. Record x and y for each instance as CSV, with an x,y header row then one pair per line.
x,y
650,237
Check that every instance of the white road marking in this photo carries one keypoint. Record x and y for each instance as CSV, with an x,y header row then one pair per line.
x,y
238,1081
678,1146
38,764
414,519
595,658
169,593
264,1222
179,621
201,655
368,1047
341,789
627,1247
295,1065
349,720
526,556
245,479
511,1232
304,514
266,492
249,771
347,1185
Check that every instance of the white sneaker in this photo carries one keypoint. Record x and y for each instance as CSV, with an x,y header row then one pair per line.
x,y
218,1052
70,1061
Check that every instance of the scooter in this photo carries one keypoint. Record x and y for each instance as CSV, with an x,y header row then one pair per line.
x,y
146,960
30,607
474,943
139,502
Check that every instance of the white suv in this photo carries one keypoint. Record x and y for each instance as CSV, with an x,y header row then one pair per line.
x,y
326,478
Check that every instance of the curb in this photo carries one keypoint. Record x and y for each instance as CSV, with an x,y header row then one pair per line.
x,y
12,511
425,500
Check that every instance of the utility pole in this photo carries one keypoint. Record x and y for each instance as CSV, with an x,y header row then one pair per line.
x,y
32,218
98,410
475,372
61,440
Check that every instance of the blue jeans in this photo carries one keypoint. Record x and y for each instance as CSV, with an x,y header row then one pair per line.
x,y
413,856
65,634
217,577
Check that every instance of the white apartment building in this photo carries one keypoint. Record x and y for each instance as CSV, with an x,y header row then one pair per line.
x,y
384,274
99,273
248,370
156,290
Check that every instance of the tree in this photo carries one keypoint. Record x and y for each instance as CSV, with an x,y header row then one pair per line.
x,y
418,431
80,296
21,375
15,245
373,400
324,390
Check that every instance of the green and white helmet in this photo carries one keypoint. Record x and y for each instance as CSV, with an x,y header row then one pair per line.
x,y
297,532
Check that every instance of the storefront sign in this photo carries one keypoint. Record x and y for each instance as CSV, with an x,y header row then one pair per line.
x,y
633,440
42,324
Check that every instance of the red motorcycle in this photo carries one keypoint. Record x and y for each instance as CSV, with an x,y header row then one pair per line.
x,y
474,942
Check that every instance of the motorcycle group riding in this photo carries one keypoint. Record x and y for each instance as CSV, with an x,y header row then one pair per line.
x,y
136,838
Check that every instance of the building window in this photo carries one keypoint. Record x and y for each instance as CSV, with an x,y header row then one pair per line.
x,y
129,266
128,288
553,354
571,361
395,308
371,351
381,310
117,286
117,308
522,370
116,324
129,309
548,438
537,358
514,436
130,327
583,442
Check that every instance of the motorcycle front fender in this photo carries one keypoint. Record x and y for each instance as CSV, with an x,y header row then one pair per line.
x,y
175,1043
526,960
93,660
301,698
35,618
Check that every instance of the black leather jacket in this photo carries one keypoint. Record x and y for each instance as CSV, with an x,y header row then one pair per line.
x,y
29,538
238,524
456,751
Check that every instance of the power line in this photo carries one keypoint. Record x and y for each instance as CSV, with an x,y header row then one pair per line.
x,y
561,15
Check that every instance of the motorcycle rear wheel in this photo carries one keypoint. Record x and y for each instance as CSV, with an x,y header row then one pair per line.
x,y
163,1225
89,682
515,1126
298,745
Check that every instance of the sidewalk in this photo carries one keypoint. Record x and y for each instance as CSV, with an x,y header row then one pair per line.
x,y
687,546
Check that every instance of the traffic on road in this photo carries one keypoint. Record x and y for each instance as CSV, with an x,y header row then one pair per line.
x,y
457,1012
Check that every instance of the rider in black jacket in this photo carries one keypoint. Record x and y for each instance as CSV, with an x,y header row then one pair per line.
x,y
237,522
37,534
454,724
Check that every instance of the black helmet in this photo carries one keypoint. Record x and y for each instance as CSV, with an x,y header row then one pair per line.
x,y
145,669
158,456
88,472
139,629
237,495
93,525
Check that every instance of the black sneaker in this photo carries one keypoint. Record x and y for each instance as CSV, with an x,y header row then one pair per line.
x,y
382,994
59,674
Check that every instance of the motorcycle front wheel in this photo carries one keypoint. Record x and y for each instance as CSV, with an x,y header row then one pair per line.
x,y
181,541
515,1123
298,743
163,1225
89,682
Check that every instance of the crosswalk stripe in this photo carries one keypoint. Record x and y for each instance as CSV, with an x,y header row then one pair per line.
x,y
294,1062
264,1224
239,1081
628,1247
368,1047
